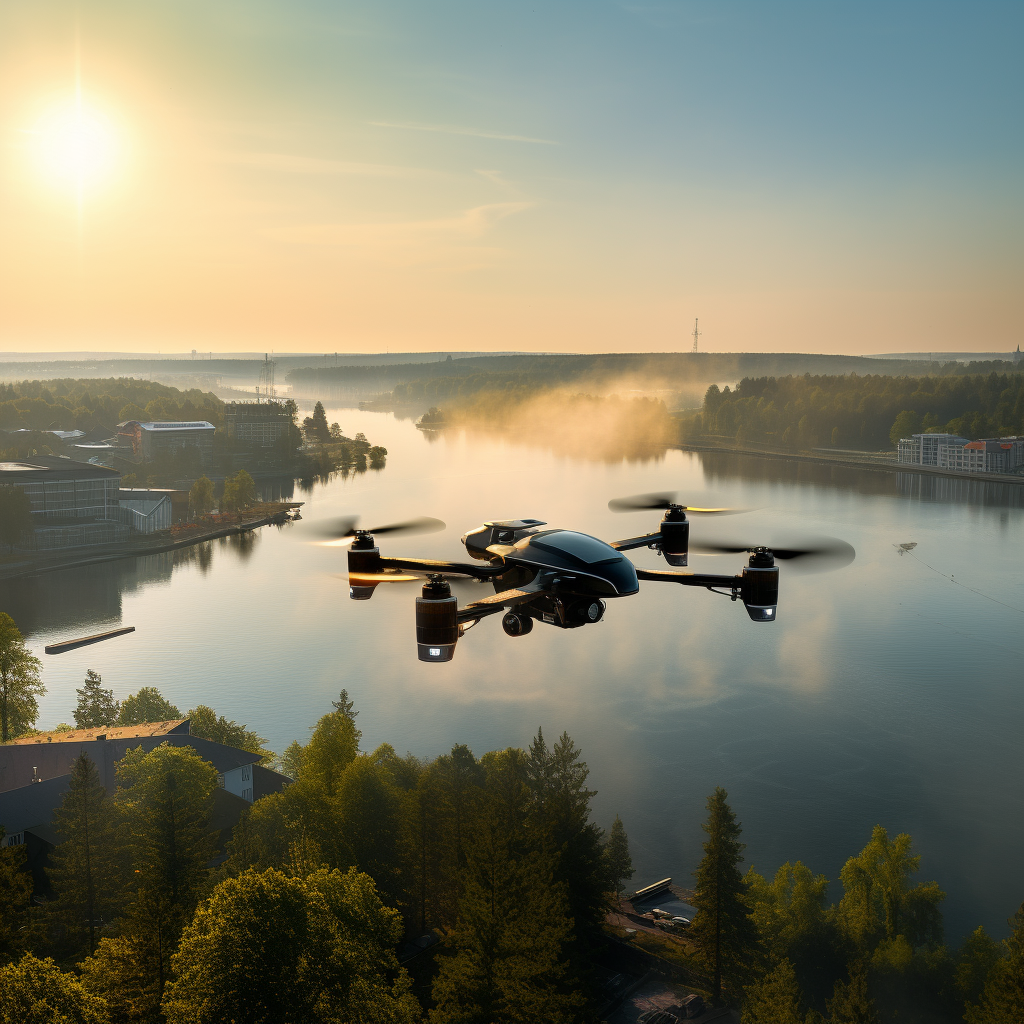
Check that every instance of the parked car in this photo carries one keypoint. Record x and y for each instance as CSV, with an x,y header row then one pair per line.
x,y
681,922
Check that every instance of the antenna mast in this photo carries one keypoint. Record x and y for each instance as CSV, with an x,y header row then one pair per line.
x,y
696,335
267,379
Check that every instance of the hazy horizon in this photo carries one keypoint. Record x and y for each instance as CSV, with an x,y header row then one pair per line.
x,y
321,177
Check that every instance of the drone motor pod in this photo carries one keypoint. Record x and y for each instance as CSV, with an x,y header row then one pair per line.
x,y
363,557
437,626
675,536
760,587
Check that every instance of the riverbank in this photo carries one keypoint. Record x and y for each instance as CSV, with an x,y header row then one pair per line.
x,y
878,461
36,563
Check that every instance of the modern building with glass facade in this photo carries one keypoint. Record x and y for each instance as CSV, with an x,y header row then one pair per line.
x,y
150,439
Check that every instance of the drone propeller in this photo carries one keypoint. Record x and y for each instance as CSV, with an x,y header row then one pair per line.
x,y
344,530
668,499
815,554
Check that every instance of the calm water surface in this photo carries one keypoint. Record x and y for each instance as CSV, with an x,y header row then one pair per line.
x,y
885,693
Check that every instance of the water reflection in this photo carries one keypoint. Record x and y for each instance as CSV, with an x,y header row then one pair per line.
x,y
729,466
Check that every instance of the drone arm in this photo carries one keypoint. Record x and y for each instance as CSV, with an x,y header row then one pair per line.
x,y
636,542
689,579
428,565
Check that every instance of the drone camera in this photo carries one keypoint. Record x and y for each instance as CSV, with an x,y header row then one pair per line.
x,y
437,627
675,536
760,586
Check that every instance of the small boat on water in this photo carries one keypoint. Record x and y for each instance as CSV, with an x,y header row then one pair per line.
x,y
70,645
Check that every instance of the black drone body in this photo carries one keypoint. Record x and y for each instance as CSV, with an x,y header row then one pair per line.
x,y
560,577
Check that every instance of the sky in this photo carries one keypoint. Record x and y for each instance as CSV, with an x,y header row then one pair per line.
x,y
576,177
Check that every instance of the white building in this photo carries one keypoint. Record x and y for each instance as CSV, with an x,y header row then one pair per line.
x,y
923,449
987,455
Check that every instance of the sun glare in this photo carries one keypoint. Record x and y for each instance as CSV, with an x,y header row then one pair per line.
x,y
76,146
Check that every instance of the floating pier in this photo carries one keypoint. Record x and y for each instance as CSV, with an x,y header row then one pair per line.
x,y
70,645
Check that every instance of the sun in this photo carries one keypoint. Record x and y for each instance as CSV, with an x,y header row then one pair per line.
x,y
76,146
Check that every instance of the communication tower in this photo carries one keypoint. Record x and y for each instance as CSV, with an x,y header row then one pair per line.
x,y
267,379
696,335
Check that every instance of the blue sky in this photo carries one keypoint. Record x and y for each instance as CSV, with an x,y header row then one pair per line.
x,y
562,176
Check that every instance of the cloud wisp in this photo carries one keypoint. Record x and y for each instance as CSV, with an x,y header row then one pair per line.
x,y
290,163
450,129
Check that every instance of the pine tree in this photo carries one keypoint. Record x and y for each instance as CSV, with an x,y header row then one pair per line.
x,y
616,855
15,893
850,1002
510,942
345,706
723,931
96,706
1003,998
83,874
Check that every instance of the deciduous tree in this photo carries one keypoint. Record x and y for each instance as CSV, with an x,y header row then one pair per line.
x,y
206,723
723,932
96,706
775,998
200,496
15,893
148,705
266,948
851,1003
34,991
19,682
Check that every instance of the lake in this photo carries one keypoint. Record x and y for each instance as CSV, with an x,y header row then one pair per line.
x,y
888,692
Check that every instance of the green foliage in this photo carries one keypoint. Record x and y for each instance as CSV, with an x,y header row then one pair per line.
x,y
723,932
616,855
266,948
84,868
1003,998
977,955
878,901
148,705
19,682
239,492
331,748
67,404
15,516
36,991
775,998
315,426
869,412
200,496
850,1002
292,758
509,961
126,972
165,799
205,723
15,893
96,706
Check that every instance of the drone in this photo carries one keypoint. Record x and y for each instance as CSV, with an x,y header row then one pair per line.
x,y
562,578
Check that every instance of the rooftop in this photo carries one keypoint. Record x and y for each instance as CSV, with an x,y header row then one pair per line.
x,y
124,732
183,425
49,467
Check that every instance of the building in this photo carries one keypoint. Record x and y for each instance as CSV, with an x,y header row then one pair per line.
x,y
73,503
145,511
147,440
923,449
258,424
35,773
987,455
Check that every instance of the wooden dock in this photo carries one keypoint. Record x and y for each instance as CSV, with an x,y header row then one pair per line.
x,y
84,641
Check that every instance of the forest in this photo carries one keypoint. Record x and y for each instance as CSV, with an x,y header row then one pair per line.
x,y
866,413
301,915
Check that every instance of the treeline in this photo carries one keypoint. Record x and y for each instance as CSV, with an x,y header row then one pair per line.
x,y
70,404
328,450
870,413
667,367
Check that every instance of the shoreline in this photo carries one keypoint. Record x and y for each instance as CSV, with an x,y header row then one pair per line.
x,y
869,461
19,570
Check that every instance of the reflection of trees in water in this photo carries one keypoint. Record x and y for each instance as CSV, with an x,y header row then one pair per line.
x,y
276,488
200,554
75,598
243,544
723,466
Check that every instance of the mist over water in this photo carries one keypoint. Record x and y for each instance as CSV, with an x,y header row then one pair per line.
x,y
885,693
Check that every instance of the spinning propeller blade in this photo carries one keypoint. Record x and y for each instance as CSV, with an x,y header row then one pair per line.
x,y
639,502
344,530
815,554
